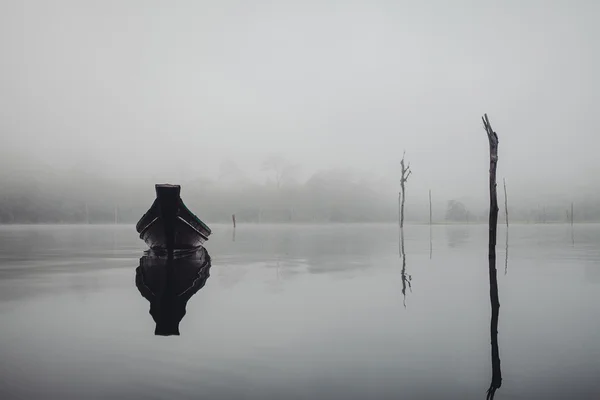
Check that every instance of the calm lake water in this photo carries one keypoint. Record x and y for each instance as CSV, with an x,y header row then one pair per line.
x,y
304,312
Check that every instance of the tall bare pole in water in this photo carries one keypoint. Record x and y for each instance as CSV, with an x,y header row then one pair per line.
x,y
505,202
405,173
493,225
430,212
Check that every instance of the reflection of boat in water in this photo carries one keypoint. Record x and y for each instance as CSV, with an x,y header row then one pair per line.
x,y
168,284
168,226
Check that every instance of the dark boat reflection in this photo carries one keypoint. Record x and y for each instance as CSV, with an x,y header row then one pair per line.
x,y
168,284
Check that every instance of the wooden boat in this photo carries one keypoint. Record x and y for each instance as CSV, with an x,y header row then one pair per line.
x,y
169,283
169,226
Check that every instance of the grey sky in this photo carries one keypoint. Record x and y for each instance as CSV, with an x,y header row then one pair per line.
x,y
156,88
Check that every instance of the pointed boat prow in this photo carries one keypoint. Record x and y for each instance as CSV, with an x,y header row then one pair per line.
x,y
169,226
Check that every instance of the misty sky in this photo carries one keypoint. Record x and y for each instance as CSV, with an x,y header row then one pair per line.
x,y
173,88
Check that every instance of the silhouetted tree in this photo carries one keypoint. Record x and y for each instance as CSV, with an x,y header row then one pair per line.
x,y
280,169
456,211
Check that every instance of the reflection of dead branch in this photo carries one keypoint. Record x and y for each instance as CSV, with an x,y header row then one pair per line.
x,y
406,279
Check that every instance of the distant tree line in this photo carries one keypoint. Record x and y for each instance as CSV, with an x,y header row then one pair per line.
x,y
586,211
326,196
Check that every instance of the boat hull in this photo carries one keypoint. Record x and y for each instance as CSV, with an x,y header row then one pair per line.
x,y
169,226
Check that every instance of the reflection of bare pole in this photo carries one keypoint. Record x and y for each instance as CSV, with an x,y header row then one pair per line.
x,y
506,215
505,202
430,223
406,279
506,255
493,225
430,243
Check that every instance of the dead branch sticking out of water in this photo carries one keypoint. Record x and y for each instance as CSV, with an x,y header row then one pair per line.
x,y
405,173
493,225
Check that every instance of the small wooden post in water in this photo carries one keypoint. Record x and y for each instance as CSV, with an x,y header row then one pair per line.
x,y
493,225
571,214
233,219
572,231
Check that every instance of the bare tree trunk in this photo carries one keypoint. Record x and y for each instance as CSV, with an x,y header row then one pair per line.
x,y
405,173
505,202
402,205
493,225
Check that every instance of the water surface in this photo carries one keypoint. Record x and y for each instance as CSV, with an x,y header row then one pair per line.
x,y
304,312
